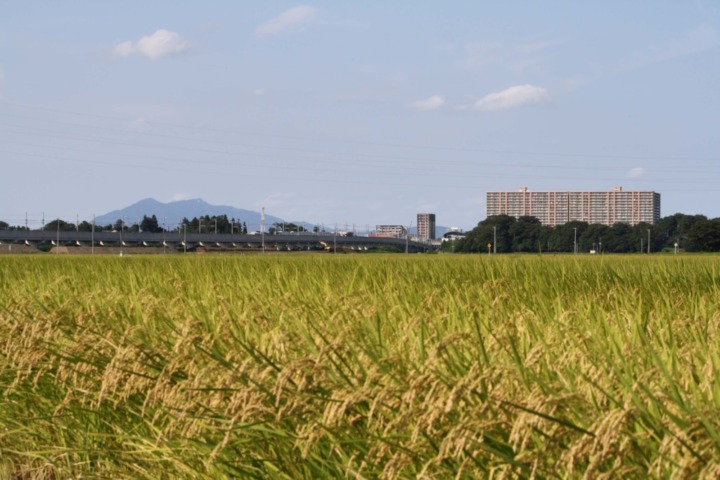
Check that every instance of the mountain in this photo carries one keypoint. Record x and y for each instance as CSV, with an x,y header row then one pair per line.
x,y
171,214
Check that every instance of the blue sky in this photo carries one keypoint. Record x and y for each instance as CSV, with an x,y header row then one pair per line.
x,y
357,113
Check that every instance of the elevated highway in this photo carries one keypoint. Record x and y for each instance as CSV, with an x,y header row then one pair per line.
x,y
182,241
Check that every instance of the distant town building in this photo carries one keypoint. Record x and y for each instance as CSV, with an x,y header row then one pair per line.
x,y
394,231
426,226
557,208
453,234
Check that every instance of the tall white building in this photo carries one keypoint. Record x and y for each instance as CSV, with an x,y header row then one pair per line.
x,y
556,208
426,226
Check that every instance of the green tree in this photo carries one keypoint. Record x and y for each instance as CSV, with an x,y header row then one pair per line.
x,y
283,227
592,238
675,228
618,239
150,224
526,234
563,237
219,224
193,226
639,238
704,236
86,226
119,225
494,227
64,226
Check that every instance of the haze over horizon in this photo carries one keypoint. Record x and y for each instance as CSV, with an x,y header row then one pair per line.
x,y
332,112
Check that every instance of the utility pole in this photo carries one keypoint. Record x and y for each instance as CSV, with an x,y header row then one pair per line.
x,y
92,237
262,228
575,241
494,240
407,238
648,230
122,226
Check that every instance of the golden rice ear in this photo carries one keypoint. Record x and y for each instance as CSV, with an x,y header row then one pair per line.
x,y
360,366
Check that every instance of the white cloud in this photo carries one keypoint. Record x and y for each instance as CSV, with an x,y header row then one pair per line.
x,y
513,97
160,44
287,20
180,196
636,172
431,103
259,92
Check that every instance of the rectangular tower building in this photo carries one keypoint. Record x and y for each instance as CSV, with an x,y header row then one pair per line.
x,y
426,226
556,208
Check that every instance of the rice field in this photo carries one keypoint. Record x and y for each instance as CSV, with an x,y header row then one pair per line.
x,y
322,366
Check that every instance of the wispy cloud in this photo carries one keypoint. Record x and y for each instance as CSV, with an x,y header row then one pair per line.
x,y
517,57
513,97
287,21
695,41
692,42
636,172
160,44
140,124
275,200
431,103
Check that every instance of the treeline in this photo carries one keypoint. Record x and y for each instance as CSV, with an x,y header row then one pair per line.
x,y
505,234
202,224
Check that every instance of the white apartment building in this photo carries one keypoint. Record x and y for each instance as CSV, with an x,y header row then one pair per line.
x,y
557,208
395,231
426,226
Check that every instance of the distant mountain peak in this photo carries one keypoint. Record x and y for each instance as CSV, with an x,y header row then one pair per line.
x,y
149,200
172,213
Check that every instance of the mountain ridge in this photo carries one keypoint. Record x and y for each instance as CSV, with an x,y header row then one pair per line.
x,y
172,213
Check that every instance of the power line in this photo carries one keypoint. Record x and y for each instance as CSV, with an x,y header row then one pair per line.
x,y
426,147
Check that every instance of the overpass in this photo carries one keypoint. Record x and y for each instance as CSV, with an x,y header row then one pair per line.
x,y
185,241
